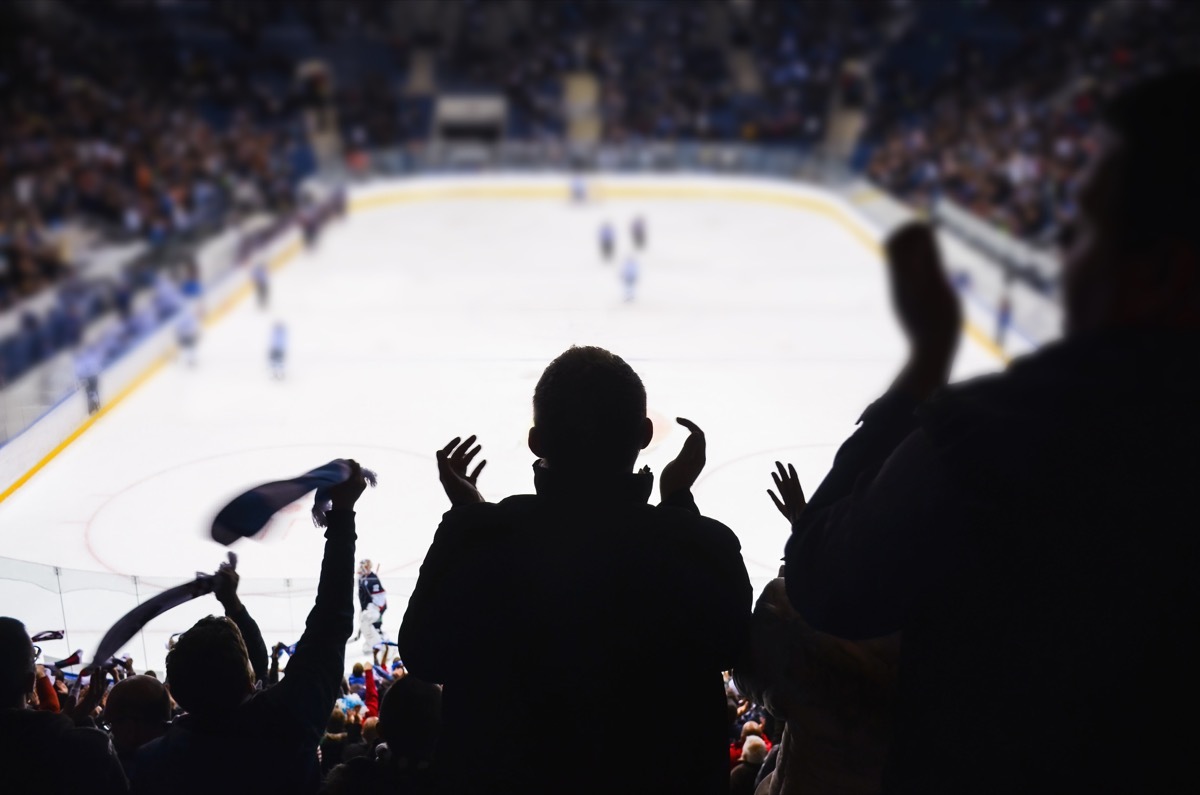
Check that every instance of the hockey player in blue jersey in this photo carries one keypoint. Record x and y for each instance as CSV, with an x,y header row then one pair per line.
x,y
608,239
637,231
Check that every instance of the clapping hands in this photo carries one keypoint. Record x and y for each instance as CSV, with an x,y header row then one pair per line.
x,y
926,307
681,474
453,461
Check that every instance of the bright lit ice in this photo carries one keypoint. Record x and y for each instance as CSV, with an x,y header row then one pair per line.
x,y
768,326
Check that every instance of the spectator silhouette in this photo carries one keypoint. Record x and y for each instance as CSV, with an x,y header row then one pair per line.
x,y
745,773
833,697
35,743
410,721
234,739
539,610
137,710
1033,533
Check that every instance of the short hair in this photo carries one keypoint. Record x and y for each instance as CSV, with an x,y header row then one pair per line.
x,y
209,668
357,670
754,750
410,718
336,723
139,698
589,407
1158,123
16,659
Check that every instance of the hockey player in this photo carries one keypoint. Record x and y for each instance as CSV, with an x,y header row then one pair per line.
x,y
187,331
637,231
87,372
372,599
278,350
629,275
261,282
579,189
310,225
607,241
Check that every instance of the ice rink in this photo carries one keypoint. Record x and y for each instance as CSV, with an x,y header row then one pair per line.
x,y
414,323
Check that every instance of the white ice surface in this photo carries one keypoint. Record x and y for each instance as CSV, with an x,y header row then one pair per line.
x,y
412,324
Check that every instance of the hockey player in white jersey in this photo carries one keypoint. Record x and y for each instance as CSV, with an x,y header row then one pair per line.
x,y
278,351
372,600
187,331
629,275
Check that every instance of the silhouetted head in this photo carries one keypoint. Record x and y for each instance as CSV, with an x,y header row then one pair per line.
x,y
138,710
209,670
589,413
410,718
16,664
1135,259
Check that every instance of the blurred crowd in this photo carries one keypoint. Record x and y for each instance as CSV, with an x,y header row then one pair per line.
x,y
98,147
671,71
1010,139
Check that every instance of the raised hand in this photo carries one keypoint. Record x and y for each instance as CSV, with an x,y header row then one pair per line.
x,y
680,475
791,501
453,461
225,584
97,686
343,496
926,306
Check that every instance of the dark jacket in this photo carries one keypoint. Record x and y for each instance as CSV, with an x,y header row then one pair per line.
x,y
550,618
743,777
269,744
256,647
43,752
1034,536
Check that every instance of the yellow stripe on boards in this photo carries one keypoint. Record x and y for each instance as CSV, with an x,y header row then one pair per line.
x,y
810,204
278,261
89,422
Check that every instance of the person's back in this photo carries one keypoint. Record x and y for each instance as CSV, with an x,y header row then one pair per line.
x,y
1032,534
555,619
1059,652
262,747
576,613
34,746
43,751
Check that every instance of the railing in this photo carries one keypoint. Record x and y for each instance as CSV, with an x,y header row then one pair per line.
x,y
1038,268
86,603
